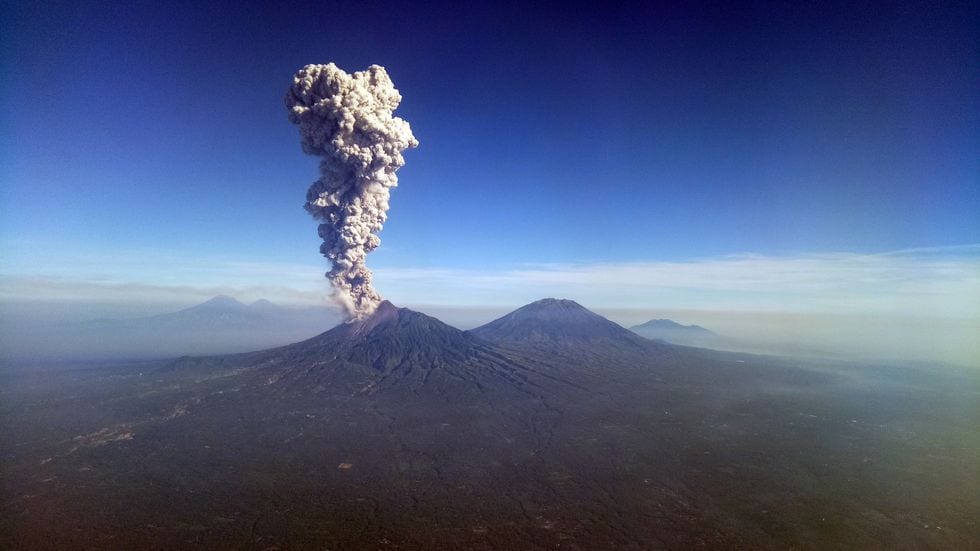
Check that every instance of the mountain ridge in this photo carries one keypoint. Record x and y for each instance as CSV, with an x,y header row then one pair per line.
x,y
390,345
670,331
670,324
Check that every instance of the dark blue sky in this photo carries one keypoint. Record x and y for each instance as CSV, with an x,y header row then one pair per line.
x,y
619,132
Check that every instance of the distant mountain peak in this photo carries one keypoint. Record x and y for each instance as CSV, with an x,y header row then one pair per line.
x,y
555,308
554,302
670,331
670,325
548,322
222,300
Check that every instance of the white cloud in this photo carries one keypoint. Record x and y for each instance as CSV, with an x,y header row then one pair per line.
x,y
919,282
942,282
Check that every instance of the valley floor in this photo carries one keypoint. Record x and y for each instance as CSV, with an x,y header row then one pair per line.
x,y
693,449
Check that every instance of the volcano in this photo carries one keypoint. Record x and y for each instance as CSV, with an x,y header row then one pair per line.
x,y
392,346
675,333
392,340
565,328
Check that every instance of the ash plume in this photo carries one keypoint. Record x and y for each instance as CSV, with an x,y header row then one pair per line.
x,y
346,120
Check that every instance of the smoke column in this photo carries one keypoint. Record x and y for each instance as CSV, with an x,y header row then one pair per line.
x,y
346,120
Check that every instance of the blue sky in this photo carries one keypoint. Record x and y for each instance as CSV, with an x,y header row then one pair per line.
x,y
148,144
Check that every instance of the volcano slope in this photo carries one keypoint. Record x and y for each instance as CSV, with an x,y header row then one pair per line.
x,y
549,428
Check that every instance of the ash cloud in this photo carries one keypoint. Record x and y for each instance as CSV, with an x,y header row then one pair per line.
x,y
347,120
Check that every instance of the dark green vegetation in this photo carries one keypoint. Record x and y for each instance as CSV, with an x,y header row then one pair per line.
x,y
550,428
